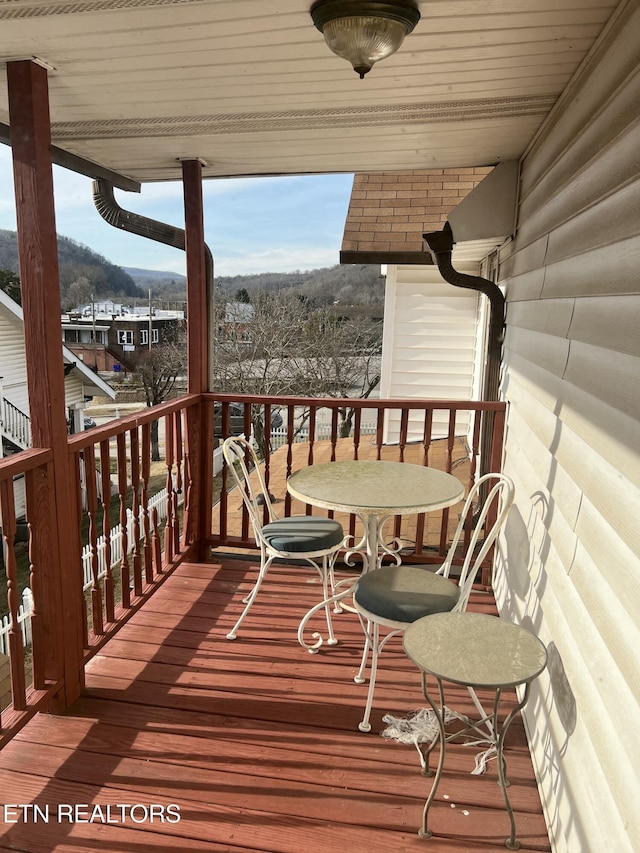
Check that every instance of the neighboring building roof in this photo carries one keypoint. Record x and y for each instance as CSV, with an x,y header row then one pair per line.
x,y
89,377
107,310
389,212
238,312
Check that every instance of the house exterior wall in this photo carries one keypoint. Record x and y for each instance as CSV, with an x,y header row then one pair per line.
x,y
432,344
572,380
13,367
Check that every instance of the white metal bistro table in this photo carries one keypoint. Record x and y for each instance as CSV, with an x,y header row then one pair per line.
x,y
374,491
476,651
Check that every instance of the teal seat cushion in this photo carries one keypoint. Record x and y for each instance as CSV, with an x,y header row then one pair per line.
x,y
405,593
300,533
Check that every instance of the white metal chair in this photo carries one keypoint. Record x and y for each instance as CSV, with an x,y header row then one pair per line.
x,y
314,539
395,596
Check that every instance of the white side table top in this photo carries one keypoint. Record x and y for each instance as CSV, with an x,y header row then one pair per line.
x,y
475,649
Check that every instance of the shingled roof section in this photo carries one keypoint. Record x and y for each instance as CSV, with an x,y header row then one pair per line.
x,y
390,211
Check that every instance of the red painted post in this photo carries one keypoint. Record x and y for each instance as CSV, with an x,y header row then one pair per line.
x,y
38,253
199,441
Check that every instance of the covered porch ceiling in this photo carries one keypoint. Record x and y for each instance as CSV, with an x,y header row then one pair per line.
x,y
251,88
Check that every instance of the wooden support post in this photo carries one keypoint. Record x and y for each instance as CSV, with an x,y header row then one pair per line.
x,y
38,255
199,435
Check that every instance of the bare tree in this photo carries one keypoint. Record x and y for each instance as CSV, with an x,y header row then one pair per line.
x,y
341,360
280,347
157,371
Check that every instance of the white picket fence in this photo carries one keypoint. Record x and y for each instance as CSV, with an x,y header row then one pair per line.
x,y
158,501
322,433
24,622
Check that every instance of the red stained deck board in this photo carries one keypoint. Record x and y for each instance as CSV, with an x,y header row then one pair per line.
x,y
256,739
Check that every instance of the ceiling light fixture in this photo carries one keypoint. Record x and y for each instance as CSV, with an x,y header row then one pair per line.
x,y
364,31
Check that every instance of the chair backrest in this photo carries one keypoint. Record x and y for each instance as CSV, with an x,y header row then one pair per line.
x,y
498,502
245,468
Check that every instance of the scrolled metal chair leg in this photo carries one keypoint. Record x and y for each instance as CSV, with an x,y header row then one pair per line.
x,y
313,648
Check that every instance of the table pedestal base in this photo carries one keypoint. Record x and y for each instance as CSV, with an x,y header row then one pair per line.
x,y
493,733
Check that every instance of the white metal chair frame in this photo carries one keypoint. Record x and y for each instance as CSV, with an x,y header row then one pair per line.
x,y
236,452
502,492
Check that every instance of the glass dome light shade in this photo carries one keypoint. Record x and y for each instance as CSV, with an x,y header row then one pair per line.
x,y
364,31
363,41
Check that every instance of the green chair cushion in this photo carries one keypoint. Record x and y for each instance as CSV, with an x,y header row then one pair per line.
x,y
300,533
405,593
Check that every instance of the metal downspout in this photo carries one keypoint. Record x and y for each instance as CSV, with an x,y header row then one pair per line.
x,y
152,229
440,245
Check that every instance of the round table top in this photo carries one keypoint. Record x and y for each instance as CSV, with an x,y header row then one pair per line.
x,y
366,487
474,649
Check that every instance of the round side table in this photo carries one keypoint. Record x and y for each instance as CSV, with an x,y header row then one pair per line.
x,y
476,651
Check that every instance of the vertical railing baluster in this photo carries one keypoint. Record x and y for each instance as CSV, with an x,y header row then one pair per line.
x,y
334,432
404,431
426,437
313,412
34,480
356,433
146,523
475,444
495,466
78,470
426,443
16,647
155,541
291,416
312,437
168,452
267,458
105,487
134,445
224,498
246,428
178,457
92,508
125,578
402,442
451,437
379,432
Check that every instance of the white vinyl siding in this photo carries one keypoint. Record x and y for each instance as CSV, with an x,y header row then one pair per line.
x,y
13,367
432,347
572,380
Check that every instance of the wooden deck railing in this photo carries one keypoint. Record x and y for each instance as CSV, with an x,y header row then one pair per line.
x,y
115,478
115,474
30,684
444,434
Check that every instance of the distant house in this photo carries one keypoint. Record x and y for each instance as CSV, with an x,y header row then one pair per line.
x,y
234,321
108,335
80,383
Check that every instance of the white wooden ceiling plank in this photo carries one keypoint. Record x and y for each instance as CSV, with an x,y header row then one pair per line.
x,y
91,49
444,8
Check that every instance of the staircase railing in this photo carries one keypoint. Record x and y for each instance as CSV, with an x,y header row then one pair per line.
x,y
15,424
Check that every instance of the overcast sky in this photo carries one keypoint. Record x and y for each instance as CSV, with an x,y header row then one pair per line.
x,y
252,225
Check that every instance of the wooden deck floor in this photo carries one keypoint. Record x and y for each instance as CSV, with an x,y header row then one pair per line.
x,y
255,741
